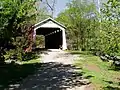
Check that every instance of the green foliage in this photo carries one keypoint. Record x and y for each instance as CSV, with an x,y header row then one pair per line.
x,y
40,41
89,30
78,19
110,27
16,20
111,11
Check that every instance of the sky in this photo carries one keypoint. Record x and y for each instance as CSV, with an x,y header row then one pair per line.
x,y
60,6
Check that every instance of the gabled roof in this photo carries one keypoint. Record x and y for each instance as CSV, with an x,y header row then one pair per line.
x,y
47,20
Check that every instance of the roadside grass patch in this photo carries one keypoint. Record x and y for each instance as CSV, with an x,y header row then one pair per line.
x,y
99,72
31,61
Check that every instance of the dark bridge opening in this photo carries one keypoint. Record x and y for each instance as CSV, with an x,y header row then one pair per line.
x,y
53,37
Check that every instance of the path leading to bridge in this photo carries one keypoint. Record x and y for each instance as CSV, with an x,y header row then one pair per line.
x,y
57,72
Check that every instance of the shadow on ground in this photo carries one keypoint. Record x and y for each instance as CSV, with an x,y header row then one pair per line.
x,y
41,51
82,53
53,76
112,85
48,76
12,74
111,88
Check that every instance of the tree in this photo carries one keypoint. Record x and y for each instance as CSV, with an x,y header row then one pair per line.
x,y
17,16
89,30
77,18
110,21
50,6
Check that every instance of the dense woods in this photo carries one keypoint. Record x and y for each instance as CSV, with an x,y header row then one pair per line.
x,y
88,29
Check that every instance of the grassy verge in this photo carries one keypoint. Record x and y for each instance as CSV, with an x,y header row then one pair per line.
x,y
31,61
12,74
98,72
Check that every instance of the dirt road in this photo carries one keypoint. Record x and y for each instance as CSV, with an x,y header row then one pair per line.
x,y
56,73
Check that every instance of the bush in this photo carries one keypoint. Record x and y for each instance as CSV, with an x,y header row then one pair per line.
x,y
20,56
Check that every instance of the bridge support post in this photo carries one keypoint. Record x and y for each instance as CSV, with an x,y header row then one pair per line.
x,y
64,43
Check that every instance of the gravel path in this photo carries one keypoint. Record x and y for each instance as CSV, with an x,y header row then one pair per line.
x,y
56,73
58,56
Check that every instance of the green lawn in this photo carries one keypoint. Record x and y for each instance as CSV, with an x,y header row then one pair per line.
x,y
98,72
12,74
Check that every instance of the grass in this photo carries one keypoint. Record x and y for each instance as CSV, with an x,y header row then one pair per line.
x,y
98,72
31,61
13,74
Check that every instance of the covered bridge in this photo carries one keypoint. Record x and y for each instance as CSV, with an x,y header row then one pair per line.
x,y
54,33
